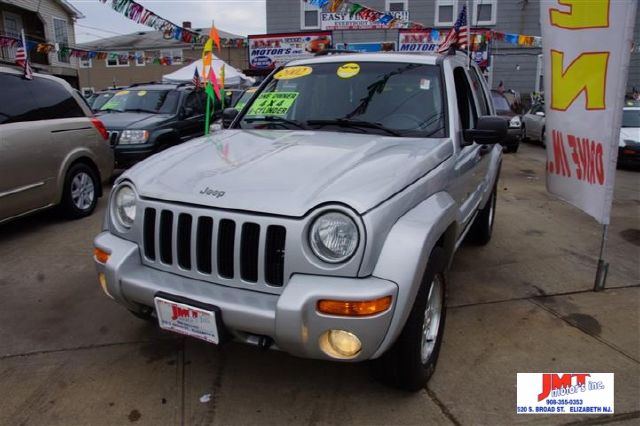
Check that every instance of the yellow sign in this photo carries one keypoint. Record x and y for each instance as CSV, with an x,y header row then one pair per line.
x,y
292,72
348,70
142,92
122,93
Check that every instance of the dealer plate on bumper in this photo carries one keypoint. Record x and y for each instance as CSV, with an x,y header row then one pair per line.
x,y
186,319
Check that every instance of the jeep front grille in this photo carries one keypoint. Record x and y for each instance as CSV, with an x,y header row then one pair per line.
x,y
214,247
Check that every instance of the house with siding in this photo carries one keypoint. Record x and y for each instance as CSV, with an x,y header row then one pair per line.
x,y
146,56
519,68
50,21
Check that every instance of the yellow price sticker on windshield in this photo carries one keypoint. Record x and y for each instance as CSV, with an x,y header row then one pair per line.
x,y
348,70
292,72
122,93
142,92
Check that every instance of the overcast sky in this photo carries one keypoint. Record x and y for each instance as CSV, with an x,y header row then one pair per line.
x,y
235,16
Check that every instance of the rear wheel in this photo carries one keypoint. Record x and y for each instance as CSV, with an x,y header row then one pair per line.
x,y
80,191
411,361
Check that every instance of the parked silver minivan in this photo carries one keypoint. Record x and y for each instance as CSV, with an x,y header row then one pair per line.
x,y
52,150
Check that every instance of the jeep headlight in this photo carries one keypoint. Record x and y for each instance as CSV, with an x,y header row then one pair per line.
x,y
129,137
334,237
123,207
515,122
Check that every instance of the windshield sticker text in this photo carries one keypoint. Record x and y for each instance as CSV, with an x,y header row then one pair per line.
x,y
292,72
273,103
348,70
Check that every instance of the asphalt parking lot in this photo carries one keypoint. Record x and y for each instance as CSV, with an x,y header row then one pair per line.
x,y
69,355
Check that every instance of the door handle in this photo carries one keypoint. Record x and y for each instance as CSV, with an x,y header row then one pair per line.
x,y
485,149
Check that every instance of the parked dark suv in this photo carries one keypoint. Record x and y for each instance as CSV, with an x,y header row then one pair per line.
x,y
148,118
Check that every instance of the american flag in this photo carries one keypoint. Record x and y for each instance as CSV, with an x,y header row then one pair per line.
x,y
458,34
22,61
196,79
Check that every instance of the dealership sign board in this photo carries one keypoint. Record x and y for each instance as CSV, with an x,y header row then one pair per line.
x,y
586,47
271,50
345,21
416,41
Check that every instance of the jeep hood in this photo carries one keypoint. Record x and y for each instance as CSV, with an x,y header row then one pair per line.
x,y
287,172
131,120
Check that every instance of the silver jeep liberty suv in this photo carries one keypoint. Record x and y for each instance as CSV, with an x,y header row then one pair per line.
x,y
322,220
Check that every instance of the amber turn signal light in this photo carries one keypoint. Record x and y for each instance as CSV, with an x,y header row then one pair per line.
x,y
354,309
101,255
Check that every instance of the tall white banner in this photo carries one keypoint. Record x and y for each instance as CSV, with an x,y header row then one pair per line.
x,y
586,46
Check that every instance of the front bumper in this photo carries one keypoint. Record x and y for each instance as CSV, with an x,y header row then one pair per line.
x,y
128,155
290,319
514,135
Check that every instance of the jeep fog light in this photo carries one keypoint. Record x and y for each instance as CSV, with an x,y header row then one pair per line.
x,y
340,344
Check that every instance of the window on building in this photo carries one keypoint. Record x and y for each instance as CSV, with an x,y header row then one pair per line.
x,y
61,34
85,63
174,56
446,11
484,12
396,5
309,16
118,59
140,59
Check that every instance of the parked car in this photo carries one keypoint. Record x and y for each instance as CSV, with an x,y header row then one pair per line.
x,y
52,150
323,221
148,118
504,109
534,124
629,145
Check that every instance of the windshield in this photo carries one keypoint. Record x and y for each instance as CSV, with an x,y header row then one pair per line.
x,y
153,101
631,118
100,99
500,103
242,101
397,99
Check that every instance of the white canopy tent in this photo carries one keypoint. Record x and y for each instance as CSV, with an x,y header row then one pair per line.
x,y
232,77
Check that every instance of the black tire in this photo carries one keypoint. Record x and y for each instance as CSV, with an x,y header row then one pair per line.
x,y
514,148
402,366
542,135
73,207
482,227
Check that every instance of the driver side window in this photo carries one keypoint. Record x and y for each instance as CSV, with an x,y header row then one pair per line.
x,y
195,101
464,96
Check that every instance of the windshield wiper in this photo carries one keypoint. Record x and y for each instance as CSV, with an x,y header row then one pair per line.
x,y
345,122
276,119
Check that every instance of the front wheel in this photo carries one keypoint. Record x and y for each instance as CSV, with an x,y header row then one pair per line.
x,y
411,361
80,191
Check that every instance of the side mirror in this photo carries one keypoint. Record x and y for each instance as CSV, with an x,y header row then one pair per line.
x,y
228,115
489,129
540,113
187,112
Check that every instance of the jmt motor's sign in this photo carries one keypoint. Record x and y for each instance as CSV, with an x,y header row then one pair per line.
x,y
269,51
345,21
586,47
565,393
416,41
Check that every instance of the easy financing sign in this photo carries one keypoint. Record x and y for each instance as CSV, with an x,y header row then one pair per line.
x,y
344,21
271,50
586,47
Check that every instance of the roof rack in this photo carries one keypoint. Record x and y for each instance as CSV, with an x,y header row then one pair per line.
x,y
143,84
329,52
